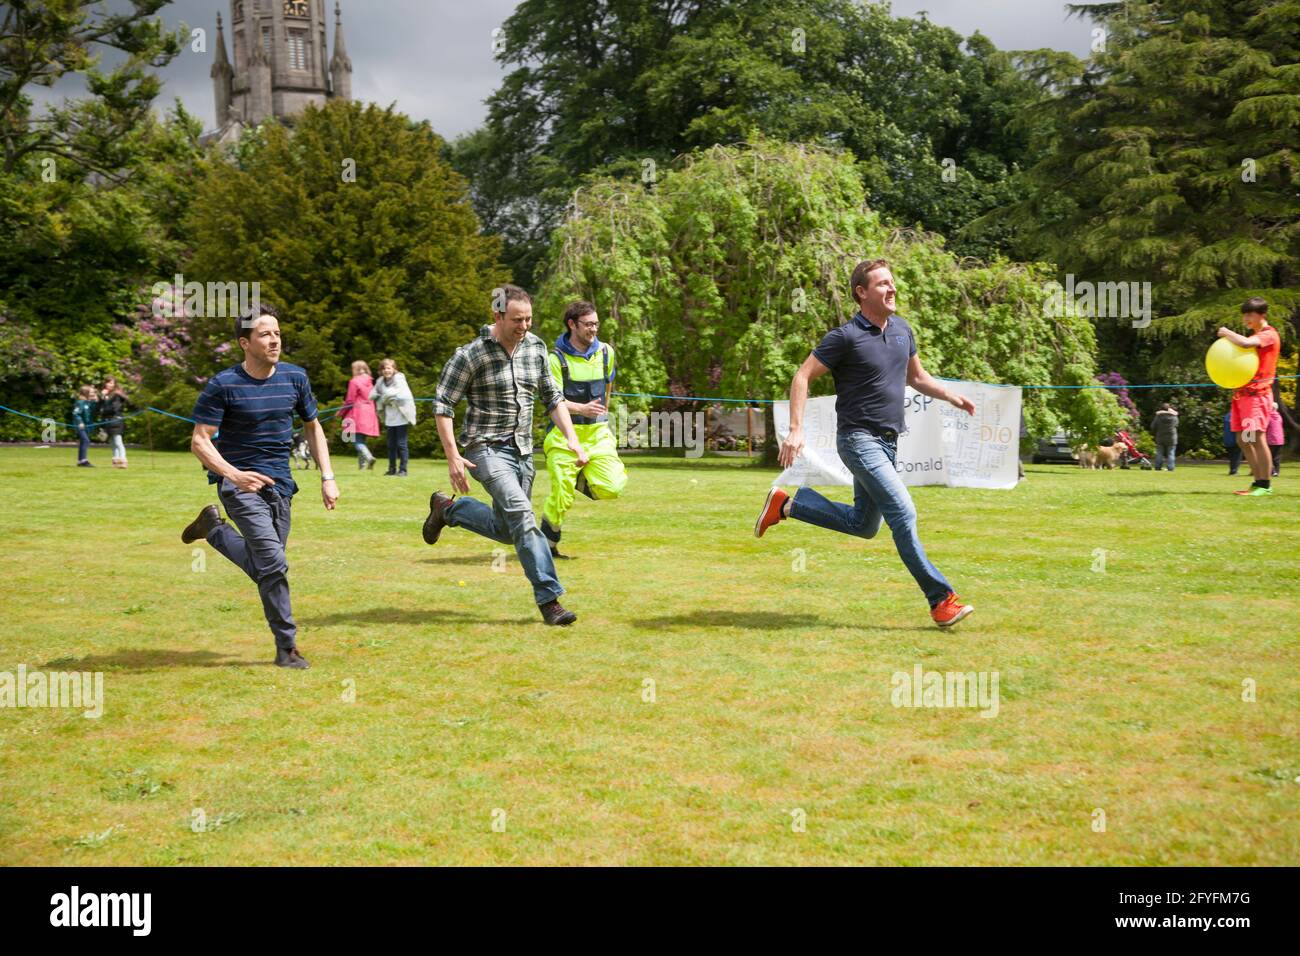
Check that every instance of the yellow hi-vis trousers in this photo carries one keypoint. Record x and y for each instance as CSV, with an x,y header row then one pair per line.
x,y
605,474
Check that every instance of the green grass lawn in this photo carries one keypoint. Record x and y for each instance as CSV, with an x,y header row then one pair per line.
x,y
1121,678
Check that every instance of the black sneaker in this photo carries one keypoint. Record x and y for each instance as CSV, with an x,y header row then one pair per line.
x,y
208,519
290,658
84,464
554,614
437,520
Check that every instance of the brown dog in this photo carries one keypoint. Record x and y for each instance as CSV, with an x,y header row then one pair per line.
x,y
1101,457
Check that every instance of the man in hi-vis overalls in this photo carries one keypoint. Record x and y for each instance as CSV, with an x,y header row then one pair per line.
x,y
583,366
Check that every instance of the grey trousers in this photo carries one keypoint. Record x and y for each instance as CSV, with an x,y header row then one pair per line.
x,y
258,549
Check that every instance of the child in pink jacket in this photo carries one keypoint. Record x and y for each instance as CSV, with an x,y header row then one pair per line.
x,y
357,415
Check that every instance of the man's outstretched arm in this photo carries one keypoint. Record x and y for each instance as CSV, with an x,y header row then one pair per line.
x,y
925,383
792,447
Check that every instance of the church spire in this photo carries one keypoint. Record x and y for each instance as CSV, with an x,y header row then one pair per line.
x,y
222,74
340,64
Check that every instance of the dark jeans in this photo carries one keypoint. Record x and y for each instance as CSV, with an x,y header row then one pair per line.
x,y
1234,459
1276,452
397,446
879,495
83,444
507,476
258,549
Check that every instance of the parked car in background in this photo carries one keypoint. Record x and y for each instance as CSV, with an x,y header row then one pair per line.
x,y
1057,448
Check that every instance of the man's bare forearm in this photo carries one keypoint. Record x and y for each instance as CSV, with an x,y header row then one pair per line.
x,y
447,435
798,398
207,454
927,385
560,416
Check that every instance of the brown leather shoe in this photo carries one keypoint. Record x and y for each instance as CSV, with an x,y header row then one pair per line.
x,y
554,614
437,520
208,519
290,658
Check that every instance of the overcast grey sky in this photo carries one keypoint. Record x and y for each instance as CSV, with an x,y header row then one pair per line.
x,y
433,58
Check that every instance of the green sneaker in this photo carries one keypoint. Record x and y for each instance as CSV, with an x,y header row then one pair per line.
x,y
1259,492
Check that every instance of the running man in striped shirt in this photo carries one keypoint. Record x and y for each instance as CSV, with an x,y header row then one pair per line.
x,y
253,405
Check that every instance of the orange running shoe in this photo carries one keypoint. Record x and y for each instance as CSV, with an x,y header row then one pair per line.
x,y
950,610
771,512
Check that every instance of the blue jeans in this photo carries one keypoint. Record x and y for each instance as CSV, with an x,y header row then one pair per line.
x,y
507,476
878,495
258,549
83,444
1164,455
397,446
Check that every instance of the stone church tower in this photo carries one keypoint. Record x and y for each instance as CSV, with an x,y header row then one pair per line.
x,y
280,63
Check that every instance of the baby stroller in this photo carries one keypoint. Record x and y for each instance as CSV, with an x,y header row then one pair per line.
x,y
1131,453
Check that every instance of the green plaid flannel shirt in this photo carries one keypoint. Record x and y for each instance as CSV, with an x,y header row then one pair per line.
x,y
500,389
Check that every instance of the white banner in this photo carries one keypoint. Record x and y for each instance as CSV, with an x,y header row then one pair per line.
x,y
941,445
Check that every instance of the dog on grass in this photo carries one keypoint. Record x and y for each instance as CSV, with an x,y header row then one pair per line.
x,y
300,452
1105,456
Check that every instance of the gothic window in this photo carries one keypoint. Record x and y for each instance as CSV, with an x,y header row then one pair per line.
x,y
266,41
238,13
239,47
299,50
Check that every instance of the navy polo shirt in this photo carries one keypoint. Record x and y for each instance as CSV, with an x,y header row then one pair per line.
x,y
869,366
255,418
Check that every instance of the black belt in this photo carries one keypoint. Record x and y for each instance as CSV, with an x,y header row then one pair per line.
x,y
884,434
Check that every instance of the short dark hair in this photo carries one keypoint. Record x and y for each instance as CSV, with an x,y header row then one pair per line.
x,y
509,293
249,318
1255,304
860,274
577,310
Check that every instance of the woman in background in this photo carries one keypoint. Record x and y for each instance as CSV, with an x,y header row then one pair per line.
x,y
112,403
393,396
358,414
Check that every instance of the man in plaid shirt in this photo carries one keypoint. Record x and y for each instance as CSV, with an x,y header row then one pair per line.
x,y
499,374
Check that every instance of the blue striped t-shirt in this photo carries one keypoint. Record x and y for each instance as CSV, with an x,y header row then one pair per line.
x,y
255,418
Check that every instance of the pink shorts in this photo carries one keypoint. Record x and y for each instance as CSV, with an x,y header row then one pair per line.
x,y
1251,413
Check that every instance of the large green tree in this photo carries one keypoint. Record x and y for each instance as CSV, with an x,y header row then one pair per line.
x,y
355,226
617,85
90,190
1170,158
745,252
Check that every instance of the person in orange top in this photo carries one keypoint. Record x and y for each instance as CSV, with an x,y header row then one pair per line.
x,y
1252,404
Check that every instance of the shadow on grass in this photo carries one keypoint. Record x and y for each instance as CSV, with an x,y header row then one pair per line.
x,y
395,615
1149,494
142,659
764,620
469,561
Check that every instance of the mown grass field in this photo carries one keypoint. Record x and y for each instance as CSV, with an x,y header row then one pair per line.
x,y
1121,680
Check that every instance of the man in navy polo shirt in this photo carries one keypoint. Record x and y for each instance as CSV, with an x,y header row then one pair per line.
x,y
250,410
871,358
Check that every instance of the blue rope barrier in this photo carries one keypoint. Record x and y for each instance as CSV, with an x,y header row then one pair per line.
x,y
720,400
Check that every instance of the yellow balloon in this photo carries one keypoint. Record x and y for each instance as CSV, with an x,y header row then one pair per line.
x,y
1231,366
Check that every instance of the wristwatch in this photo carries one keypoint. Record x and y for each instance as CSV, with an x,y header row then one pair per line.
x,y
324,478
